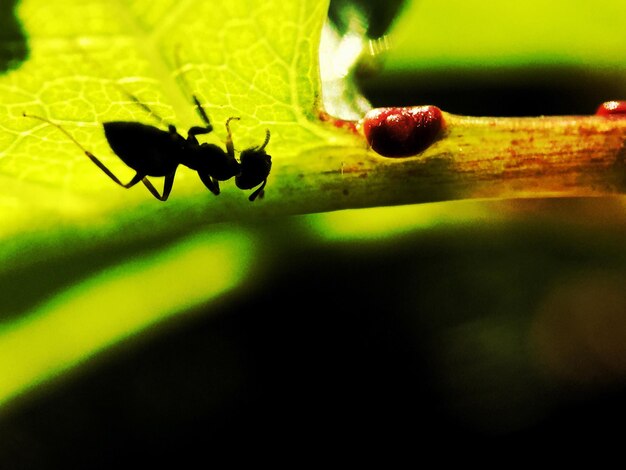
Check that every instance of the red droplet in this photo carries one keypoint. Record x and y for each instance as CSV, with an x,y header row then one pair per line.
x,y
402,132
613,109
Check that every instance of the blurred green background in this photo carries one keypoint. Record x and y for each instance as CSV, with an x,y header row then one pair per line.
x,y
448,322
502,59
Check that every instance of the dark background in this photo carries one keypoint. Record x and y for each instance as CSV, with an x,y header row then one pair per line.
x,y
426,338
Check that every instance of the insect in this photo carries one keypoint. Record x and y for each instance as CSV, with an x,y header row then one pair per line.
x,y
151,151
402,132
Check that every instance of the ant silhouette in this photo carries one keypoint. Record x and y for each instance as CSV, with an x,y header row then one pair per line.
x,y
151,151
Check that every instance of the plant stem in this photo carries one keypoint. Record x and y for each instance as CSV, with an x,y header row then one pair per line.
x,y
557,155
486,157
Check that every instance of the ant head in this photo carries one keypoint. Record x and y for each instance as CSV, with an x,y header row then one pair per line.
x,y
255,166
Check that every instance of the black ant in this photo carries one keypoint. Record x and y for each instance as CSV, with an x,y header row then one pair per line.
x,y
151,151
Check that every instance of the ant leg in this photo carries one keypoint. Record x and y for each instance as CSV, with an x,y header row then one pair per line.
x,y
211,184
167,187
202,113
197,130
136,179
143,105
230,148
258,193
196,101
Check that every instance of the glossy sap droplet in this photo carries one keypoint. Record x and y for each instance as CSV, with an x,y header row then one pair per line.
x,y
613,109
402,132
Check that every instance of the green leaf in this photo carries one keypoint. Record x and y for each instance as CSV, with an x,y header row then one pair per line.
x,y
242,59
255,61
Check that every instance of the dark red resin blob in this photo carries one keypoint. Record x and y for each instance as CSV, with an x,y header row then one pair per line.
x,y
614,109
402,132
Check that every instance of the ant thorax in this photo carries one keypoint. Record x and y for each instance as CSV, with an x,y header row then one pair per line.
x,y
211,160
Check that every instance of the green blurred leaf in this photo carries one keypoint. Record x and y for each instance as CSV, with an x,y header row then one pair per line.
x,y
471,34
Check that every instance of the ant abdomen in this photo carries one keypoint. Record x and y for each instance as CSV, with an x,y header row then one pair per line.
x,y
144,147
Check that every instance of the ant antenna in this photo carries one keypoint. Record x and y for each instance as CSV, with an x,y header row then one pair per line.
x,y
233,118
266,141
187,89
128,94
230,148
